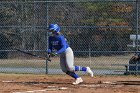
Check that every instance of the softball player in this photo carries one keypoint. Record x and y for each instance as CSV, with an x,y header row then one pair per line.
x,y
58,42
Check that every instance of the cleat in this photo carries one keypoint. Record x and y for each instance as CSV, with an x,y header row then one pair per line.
x,y
89,71
78,81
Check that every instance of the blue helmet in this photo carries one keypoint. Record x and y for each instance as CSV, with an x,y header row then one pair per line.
x,y
54,27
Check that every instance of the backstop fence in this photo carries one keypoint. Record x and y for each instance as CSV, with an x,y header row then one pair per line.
x,y
100,32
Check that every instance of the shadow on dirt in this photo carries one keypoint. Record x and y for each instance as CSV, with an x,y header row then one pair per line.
x,y
128,82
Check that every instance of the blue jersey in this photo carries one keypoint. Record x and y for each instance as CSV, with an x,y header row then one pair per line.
x,y
58,43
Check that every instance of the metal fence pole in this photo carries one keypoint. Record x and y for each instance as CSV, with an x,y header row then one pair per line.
x,y
137,24
47,34
137,31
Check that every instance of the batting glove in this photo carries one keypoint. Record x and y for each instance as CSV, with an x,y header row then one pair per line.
x,y
52,54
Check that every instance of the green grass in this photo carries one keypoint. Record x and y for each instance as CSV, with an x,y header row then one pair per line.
x,y
102,62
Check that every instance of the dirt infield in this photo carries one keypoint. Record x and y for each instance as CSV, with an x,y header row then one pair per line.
x,y
31,83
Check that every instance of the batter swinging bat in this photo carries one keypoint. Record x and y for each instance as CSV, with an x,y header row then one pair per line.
x,y
44,58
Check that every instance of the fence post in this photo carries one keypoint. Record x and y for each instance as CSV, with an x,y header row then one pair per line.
x,y
47,35
137,24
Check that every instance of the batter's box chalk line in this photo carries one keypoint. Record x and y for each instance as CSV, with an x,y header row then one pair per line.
x,y
8,81
50,88
91,86
103,84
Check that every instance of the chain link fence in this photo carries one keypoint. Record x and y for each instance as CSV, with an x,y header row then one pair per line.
x,y
98,31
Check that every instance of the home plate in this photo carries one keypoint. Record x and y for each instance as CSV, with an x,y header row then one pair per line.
x,y
63,88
